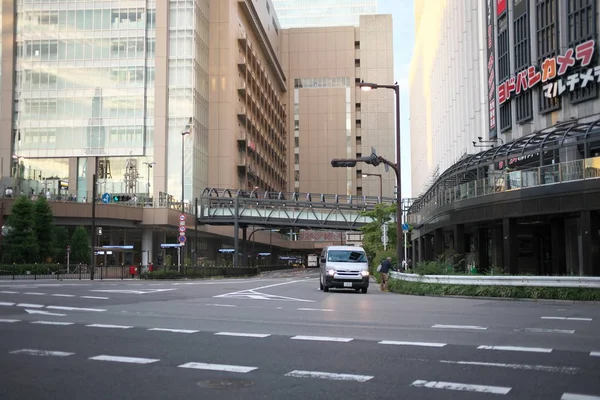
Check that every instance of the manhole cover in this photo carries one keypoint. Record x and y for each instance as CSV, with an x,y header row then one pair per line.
x,y
225,384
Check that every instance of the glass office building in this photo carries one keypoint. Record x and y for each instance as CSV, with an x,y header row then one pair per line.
x,y
320,13
86,86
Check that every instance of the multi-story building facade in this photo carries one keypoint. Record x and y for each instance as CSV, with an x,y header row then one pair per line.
x,y
506,136
330,117
322,13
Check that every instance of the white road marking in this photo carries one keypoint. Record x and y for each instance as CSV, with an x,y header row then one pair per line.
x,y
9,321
423,344
568,318
3,303
44,313
30,305
255,335
8,292
545,368
173,330
328,376
95,297
62,295
129,360
574,396
127,291
465,387
595,354
53,323
109,326
323,338
480,328
35,293
218,367
222,305
539,330
515,348
316,309
253,294
32,352
75,308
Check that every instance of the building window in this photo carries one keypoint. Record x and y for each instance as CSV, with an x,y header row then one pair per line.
x,y
581,23
547,45
504,71
524,100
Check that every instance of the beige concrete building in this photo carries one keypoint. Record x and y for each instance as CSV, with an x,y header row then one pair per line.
x,y
329,116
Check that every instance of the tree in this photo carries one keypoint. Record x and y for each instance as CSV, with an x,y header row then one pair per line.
x,y
44,228
381,214
21,242
80,246
61,241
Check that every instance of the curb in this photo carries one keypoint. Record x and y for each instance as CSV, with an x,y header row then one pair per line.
x,y
557,301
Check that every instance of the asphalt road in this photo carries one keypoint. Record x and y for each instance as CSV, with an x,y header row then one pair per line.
x,y
278,336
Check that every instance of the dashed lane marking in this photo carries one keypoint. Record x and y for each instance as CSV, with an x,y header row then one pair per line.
x,y
62,295
464,387
473,327
323,338
218,367
4,303
544,368
568,318
575,396
422,344
253,335
173,330
8,292
595,354
52,323
107,326
540,330
222,305
95,297
28,305
316,309
515,348
129,360
75,308
35,293
9,321
328,376
43,353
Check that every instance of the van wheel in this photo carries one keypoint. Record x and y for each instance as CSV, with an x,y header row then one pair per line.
x,y
357,290
326,288
364,290
320,284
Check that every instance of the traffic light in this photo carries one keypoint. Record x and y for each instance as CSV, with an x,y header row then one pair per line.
x,y
341,162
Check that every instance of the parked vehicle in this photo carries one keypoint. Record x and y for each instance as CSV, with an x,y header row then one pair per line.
x,y
313,261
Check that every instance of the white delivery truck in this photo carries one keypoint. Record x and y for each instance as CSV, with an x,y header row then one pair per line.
x,y
313,261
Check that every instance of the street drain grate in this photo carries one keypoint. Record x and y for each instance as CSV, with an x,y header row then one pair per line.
x,y
226,384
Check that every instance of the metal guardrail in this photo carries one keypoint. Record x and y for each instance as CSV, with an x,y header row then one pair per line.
x,y
499,280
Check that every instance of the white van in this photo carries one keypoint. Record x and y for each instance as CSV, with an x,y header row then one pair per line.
x,y
344,267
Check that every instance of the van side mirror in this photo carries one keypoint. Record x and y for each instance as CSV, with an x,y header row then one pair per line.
x,y
323,259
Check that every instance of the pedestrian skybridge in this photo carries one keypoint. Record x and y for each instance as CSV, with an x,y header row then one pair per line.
x,y
283,209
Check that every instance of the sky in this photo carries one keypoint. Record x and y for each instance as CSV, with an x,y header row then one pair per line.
x,y
403,19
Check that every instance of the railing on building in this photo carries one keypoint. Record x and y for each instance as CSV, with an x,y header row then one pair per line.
x,y
502,181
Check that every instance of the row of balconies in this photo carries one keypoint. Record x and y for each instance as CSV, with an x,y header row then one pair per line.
x,y
276,108
262,151
245,114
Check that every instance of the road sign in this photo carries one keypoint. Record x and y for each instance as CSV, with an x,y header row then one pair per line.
x,y
106,197
181,217
181,233
384,238
384,228
182,239
68,248
405,227
182,228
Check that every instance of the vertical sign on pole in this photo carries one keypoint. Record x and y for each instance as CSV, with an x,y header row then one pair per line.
x,y
68,257
491,67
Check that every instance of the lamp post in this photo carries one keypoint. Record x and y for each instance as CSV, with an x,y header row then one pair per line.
x,y
396,88
149,165
365,174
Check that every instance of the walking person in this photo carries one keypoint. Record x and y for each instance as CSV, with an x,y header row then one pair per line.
x,y
386,265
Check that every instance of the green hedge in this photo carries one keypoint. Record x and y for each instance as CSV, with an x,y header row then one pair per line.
x,y
34,269
512,292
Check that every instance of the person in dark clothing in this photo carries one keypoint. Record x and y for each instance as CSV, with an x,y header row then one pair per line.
x,y
386,265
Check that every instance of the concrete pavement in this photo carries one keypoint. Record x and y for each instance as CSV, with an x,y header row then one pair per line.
x,y
279,336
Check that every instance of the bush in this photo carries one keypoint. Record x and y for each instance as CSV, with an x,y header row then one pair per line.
x,y
513,292
162,275
31,269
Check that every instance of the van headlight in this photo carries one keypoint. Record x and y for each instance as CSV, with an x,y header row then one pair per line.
x,y
331,272
364,273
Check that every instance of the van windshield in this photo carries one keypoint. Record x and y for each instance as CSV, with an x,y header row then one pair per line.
x,y
346,256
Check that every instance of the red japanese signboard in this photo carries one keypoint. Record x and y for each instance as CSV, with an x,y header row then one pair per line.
x,y
552,68
500,7
491,67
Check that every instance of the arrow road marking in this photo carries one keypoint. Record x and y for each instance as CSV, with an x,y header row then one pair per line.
x,y
44,313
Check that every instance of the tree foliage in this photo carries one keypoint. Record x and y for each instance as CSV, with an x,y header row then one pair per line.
x,y
80,246
372,233
44,229
61,241
21,245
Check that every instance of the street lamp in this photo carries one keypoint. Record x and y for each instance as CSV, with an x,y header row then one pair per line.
x,y
396,88
365,174
149,165
186,131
